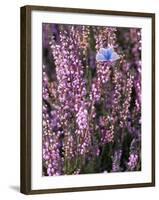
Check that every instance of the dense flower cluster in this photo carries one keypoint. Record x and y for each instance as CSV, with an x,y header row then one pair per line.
x,y
91,99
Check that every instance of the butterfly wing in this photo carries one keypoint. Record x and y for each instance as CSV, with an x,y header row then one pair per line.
x,y
100,57
114,57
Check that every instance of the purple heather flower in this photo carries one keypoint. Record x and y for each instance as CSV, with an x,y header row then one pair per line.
x,y
116,159
107,54
82,116
133,161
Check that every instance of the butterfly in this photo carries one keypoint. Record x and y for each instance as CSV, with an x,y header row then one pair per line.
x,y
107,54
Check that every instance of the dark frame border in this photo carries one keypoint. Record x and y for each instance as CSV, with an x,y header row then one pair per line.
x,y
25,90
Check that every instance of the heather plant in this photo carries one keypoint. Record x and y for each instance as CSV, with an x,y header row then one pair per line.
x,y
91,93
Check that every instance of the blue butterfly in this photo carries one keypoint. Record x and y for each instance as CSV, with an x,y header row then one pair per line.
x,y
107,54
